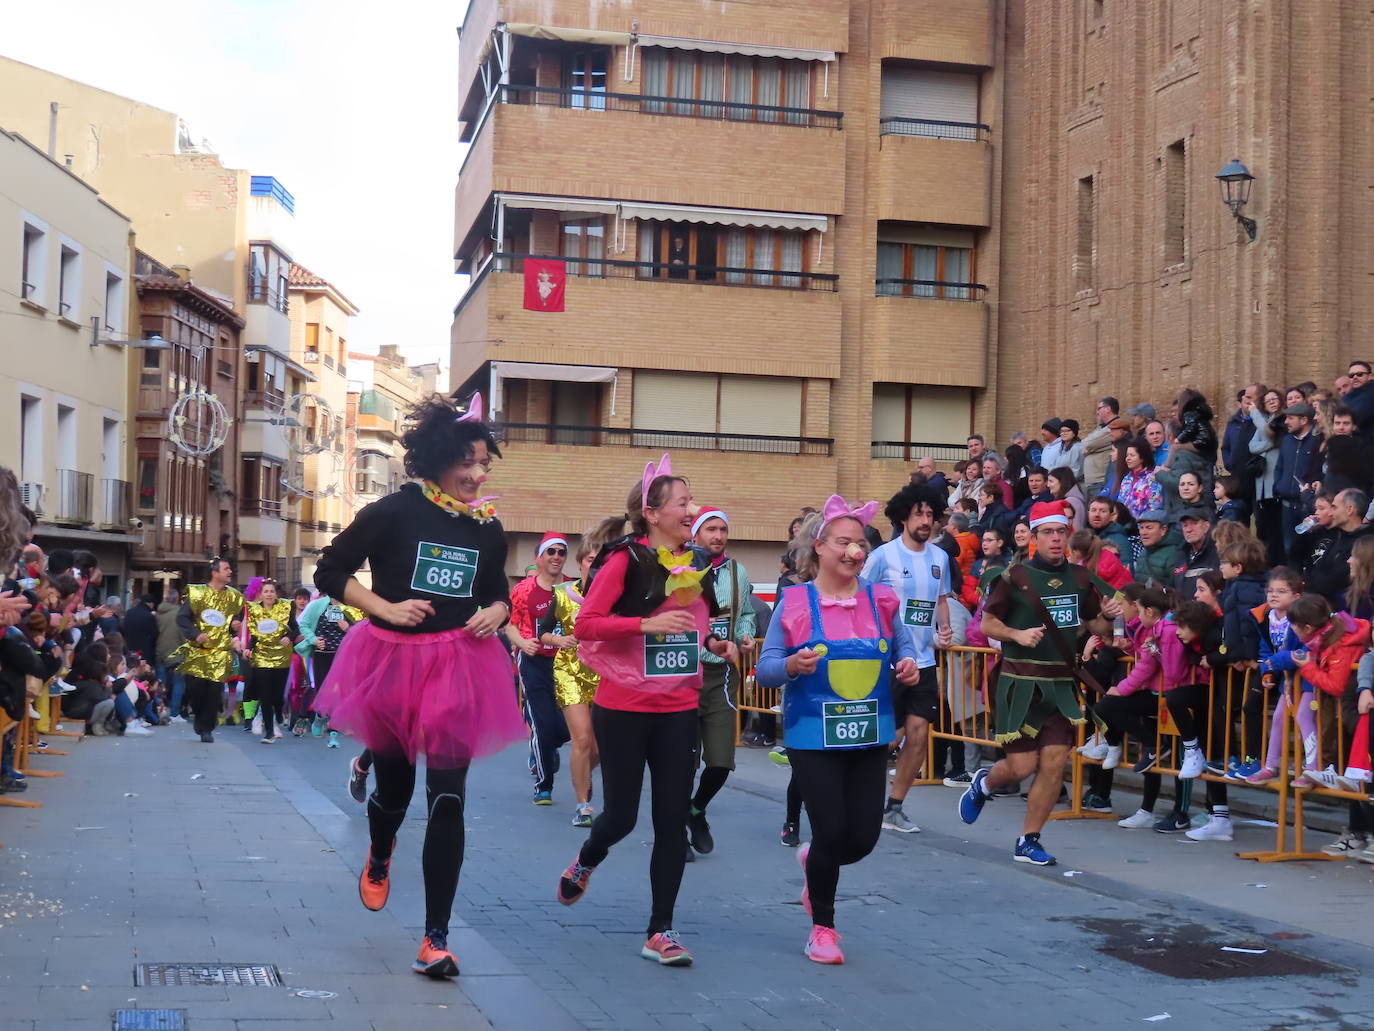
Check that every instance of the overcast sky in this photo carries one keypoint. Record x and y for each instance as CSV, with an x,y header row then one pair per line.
x,y
352,104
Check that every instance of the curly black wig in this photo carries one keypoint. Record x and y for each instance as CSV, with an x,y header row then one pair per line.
x,y
901,504
435,441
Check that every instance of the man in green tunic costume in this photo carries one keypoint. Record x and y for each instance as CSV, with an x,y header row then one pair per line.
x,y
1037,702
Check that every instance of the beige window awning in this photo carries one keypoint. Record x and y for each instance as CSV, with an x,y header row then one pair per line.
x,y
568,204
725,216
566,35
557,373
716,46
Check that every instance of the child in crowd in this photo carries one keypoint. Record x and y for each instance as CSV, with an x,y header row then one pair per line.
x,y
1333,643
1086,549
1277,642
1242,571
1231,504
1102,659
1208,587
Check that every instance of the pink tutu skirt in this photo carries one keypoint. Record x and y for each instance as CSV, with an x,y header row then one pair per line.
x,y
447,696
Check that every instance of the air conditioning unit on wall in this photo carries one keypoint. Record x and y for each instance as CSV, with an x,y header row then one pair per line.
x,y
31,494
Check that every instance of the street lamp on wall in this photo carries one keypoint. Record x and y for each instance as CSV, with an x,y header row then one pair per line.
x,y
1235,181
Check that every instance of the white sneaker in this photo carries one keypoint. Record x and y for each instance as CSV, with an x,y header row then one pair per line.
x,y
1347,844
1327,778
896,820
66,687
1217,828
178,719
137,730
1097,749
1194,762
1112,758
257,725
33,713
1138,820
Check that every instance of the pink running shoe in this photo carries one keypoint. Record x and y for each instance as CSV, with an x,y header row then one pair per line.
x,y
824,946
802,853
1262,776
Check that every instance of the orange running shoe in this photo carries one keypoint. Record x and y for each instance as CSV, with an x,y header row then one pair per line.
x,y
374,883
434,959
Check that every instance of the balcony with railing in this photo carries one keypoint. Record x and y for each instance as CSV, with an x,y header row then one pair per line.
x,y
933,288
952,161
72,502
116,503
940,327
548,141
614,306
910,450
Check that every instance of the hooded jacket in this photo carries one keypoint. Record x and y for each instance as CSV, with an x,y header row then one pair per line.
x,y
169,635
1239,630
1329,667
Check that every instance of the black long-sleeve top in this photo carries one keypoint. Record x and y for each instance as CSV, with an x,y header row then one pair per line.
x,y
417,550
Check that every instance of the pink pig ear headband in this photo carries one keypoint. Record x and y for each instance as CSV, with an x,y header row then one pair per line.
x,y
651,473
836,507
474,412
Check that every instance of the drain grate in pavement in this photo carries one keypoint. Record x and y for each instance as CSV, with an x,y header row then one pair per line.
x,y
252,975
150,1020
1194,952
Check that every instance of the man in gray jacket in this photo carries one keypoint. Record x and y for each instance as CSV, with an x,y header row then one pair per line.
x,y
1097,447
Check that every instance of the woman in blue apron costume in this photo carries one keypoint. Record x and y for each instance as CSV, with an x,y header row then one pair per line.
x,y
833,645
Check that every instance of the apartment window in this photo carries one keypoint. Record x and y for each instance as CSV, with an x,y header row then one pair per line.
x,y
699,253
1085,242
114,302
905,413
66,437
312,341
917,101
110,455
34,264
267,276
925,270
69,283
585,76
1175,203
712,404
329,347
147,484
1099,10
31,439
583,238
696,80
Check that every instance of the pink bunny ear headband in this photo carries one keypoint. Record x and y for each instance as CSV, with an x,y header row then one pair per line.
x,y
836,507
474,412
651,473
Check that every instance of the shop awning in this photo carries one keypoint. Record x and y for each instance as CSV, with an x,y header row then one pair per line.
x,y
716,46
539,370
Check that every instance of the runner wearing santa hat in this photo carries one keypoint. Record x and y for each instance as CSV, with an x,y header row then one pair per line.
x,y
1036,609
718,713
531,600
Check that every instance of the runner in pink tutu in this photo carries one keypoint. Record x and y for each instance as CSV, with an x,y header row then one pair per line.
x,y
424,673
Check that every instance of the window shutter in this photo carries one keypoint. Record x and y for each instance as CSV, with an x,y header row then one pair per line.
x,y
940,415
923,93
889,412
684,401
760,405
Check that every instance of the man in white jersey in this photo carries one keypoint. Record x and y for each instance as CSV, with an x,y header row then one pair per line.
x,y
920,574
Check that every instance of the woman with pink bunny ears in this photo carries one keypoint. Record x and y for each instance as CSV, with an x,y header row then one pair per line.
x,y
643,626
833,645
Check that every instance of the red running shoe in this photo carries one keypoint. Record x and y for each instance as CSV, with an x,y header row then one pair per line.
x,y
374,883
434,959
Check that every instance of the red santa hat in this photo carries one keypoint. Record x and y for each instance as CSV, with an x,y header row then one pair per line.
x,y
706,515
551,538
1049,513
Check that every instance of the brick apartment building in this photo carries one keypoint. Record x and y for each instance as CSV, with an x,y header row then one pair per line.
x,y
802,250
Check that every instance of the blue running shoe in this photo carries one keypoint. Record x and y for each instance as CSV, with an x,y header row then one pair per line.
x,y
1029,850
1243,770
971,802
543,798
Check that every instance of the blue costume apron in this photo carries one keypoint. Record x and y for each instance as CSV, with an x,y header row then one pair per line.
x,y
847,702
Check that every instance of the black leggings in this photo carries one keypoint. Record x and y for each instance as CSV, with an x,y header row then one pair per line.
x,y
269,687
843,791
1126,714
1188,706
794,799
445,792
204,696
666,743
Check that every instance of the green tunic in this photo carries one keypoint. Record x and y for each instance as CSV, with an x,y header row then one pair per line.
x,y
1034,683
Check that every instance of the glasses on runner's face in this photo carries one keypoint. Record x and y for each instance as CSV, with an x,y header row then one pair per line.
x,y
559,552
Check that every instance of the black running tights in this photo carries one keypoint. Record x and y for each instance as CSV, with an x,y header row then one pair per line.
x,y
843,790
269,686
443,850
665,742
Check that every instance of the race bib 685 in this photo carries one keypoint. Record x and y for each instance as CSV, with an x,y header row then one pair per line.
x,y
444,570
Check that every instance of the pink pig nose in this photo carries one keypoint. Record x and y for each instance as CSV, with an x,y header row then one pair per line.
x,y
854,552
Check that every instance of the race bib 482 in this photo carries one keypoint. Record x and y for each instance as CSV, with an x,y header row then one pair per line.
x,y
444,570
